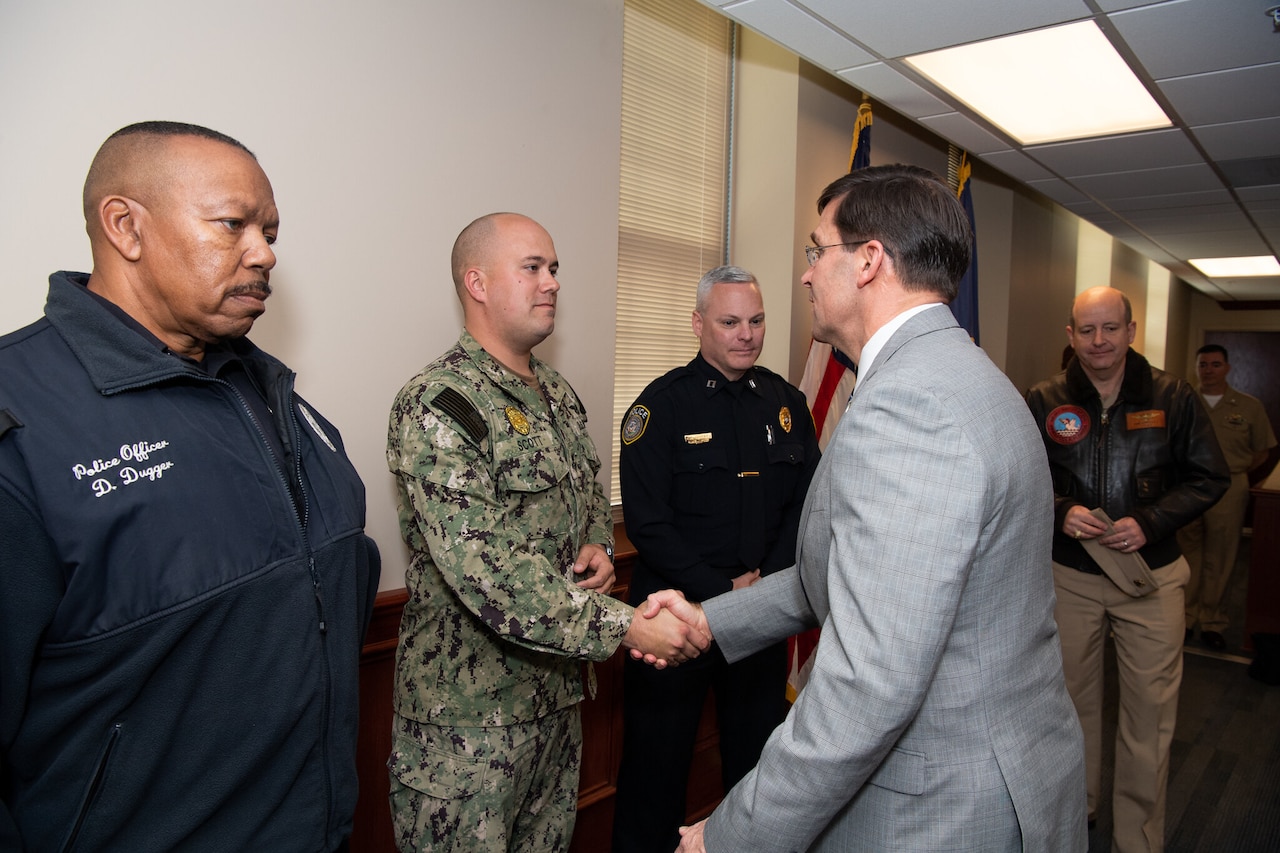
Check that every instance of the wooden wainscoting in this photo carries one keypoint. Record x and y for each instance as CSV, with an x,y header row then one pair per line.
x,y
601,730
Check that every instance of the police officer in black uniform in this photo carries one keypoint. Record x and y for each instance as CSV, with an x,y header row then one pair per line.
x,y
716,458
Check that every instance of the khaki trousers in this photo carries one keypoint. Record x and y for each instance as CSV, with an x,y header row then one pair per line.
x,y
1210,544
1148,642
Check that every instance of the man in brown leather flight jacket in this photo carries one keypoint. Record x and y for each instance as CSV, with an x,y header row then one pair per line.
x,y
1135,442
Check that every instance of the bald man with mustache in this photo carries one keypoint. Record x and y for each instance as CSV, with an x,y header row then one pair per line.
x,y
185,580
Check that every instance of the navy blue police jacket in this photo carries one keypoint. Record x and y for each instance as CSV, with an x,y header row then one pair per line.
x,y
182,607
714,475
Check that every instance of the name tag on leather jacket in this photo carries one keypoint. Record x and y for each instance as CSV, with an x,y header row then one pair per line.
x,y
1151,419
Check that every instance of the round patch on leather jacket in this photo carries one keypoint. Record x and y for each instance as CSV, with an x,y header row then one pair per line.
x,y
1067,424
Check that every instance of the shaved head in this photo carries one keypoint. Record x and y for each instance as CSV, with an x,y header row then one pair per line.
x,y
133,163
475,244
181,221
504,271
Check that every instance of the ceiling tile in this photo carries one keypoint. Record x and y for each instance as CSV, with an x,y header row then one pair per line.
x,y
1058,190
1181,220
1112,226
1250,195
1089,209
1017,165
1240,139
964,132
1117,153
1257,172
895,90
1171,200
1223,96
1214,244
906,27
801,33
1244,289
1116,5
1208,288
1149,182
1194,36
1266,212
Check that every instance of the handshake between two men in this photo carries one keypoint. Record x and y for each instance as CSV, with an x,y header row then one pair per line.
x,y
669,630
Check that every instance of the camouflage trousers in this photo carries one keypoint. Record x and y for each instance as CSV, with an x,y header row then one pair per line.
x,y
461,789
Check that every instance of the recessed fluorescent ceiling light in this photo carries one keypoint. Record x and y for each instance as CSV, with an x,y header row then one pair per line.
x,y
1237,267
1046,86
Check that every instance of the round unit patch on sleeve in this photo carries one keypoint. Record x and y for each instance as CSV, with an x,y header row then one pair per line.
x,y
1067,424
633,426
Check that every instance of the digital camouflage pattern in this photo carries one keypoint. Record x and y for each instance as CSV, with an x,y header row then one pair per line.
x,y
510,789
494,514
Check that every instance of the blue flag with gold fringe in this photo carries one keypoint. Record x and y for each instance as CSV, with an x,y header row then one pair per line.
x,y
860,154
965,305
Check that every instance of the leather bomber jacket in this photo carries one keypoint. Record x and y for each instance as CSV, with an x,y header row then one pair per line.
x,y
1153,456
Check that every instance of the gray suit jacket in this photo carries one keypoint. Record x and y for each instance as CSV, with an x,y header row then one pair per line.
x,y
936,716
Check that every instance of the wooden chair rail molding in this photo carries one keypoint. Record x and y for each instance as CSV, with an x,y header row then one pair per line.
x,y
601,732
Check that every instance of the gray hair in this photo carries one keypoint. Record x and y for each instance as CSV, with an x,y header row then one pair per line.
x,y
720,275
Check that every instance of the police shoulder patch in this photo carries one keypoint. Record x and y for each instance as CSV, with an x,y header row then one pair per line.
x,y
633,426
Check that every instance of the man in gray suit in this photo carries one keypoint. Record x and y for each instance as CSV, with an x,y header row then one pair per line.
x,y
936,716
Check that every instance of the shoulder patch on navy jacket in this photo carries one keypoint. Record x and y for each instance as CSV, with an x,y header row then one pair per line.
x,y
461,410
8,421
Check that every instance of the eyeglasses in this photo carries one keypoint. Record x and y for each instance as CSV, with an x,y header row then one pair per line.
x,y
812,253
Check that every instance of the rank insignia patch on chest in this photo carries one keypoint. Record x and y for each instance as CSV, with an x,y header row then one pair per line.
x,y
784,418
1067,424
633,426
518,421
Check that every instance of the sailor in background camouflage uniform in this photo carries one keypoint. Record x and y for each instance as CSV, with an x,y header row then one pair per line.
x,y
511,551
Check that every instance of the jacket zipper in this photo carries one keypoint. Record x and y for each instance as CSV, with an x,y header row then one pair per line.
x,y
94,786
283,397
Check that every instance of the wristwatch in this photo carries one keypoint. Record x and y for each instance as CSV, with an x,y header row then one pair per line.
x,y
608,549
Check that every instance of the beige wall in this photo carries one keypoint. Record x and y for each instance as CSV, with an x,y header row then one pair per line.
x,y
764,188
827,111
385,127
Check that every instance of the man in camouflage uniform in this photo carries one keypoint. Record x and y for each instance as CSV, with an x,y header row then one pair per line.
x,y
511,558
